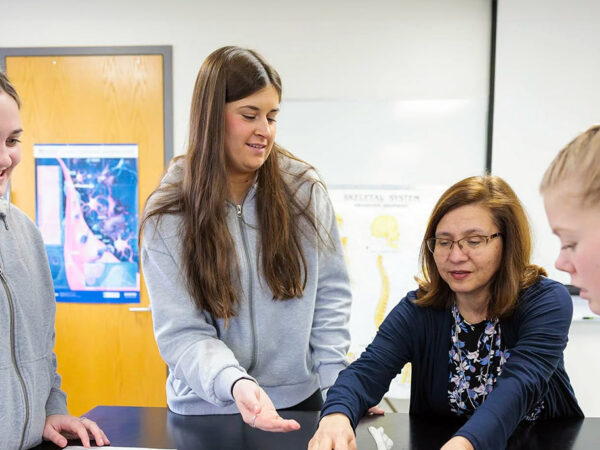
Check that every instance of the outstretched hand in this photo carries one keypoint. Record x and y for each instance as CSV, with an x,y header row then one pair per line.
x,y
60,427
257,409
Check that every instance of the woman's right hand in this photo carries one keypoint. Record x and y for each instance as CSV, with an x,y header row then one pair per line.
x,y
258,410
334,432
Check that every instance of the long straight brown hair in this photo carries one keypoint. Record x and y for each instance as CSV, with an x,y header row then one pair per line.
x,y
515,272
208,255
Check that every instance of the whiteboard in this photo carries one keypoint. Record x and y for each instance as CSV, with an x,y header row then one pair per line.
x,y
388,142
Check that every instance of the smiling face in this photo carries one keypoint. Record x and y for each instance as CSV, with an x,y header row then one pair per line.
x,y
10,133
250,129
469,272
578,228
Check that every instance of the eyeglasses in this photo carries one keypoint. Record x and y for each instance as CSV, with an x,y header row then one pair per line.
x,y
443,246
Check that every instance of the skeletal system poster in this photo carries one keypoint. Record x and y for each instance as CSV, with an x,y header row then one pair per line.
x,y
87,212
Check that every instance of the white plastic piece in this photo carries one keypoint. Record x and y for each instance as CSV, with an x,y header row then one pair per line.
x,y
381,439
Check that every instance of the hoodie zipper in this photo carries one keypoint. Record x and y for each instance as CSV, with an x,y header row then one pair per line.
x,y
238,209
13,353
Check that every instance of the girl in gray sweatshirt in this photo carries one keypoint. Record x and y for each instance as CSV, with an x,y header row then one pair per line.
x,y
242,258
32,404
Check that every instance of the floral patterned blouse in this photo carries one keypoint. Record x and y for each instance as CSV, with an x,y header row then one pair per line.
x,y
477,355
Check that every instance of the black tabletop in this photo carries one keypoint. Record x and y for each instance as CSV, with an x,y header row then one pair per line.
x,y
160,428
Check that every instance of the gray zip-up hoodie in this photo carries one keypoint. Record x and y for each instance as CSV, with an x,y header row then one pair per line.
x,y
29,384
290,347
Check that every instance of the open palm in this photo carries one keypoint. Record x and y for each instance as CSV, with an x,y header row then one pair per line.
x,y
258,410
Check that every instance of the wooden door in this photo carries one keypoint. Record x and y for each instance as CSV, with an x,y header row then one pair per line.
x,y
106,353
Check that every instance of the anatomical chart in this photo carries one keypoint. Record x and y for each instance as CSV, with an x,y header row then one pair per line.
x,y
381,231
87,212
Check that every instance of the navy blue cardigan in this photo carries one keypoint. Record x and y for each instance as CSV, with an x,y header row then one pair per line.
x,y
536,333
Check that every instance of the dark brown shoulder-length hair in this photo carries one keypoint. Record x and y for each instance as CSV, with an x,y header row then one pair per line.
x,y
208,255
515,272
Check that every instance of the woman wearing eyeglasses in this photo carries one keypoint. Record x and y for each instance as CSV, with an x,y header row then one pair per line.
x,y
485,332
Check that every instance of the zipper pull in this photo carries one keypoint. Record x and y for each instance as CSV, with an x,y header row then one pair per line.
x,y
239,210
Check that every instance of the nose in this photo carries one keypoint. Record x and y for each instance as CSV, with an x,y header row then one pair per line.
x,y
263,128
564,263
456,253
5,159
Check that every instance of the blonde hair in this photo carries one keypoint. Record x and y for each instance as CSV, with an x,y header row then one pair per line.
x,y
7,86
579,160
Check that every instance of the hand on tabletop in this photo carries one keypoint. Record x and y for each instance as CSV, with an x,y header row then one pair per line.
x,y
375,411
257,409
458,443
60,427
334,432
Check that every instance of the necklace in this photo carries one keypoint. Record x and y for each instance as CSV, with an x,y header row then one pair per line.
x,y
487,339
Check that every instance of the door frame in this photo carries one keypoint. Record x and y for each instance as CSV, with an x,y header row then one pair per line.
x,y
167,57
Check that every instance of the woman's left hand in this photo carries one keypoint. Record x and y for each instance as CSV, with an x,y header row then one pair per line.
x,y
60,427
458,443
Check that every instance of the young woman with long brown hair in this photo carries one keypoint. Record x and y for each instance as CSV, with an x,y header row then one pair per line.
x,y
242,258
485,331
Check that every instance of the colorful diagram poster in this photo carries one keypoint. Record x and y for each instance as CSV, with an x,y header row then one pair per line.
x,y
381,230
87,212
